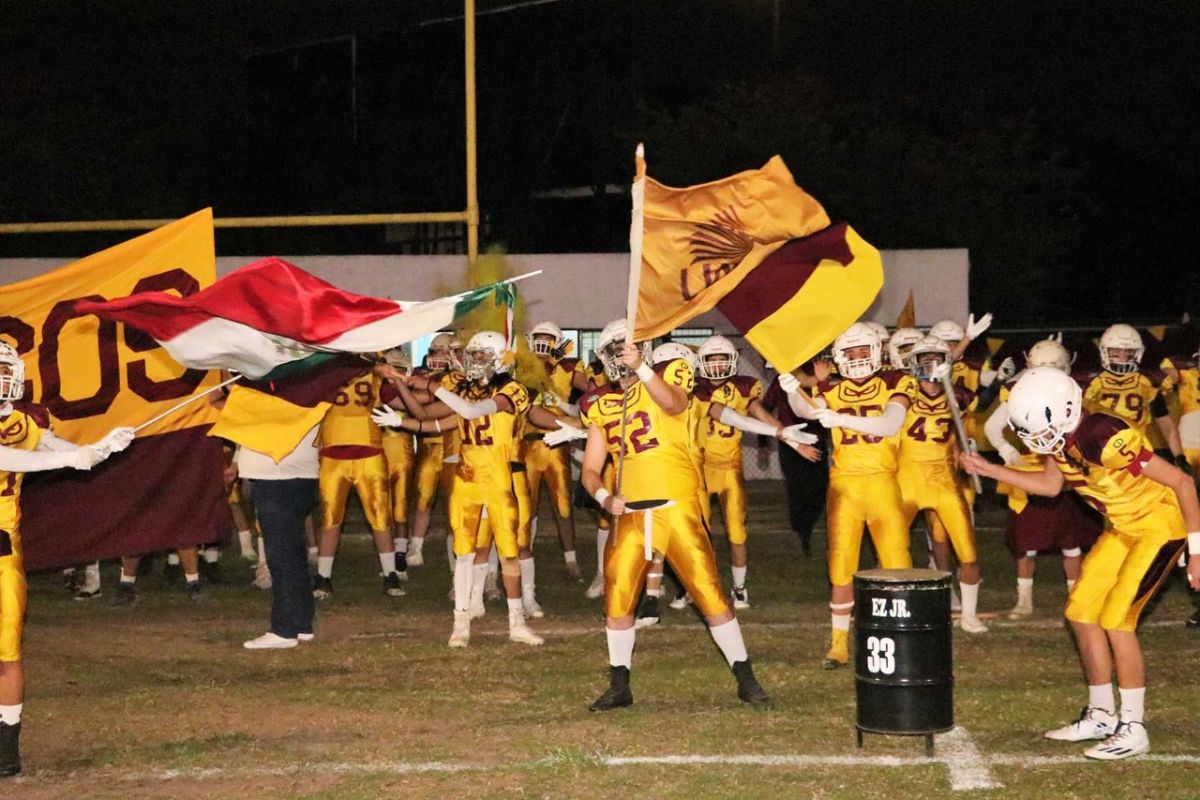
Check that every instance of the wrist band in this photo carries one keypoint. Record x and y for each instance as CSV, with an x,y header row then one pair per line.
x,y
601,495
644,372
1194,543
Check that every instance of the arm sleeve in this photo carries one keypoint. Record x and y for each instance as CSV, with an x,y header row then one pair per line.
x,y
465,408
13,460
886,424
743,423
803,408
51,443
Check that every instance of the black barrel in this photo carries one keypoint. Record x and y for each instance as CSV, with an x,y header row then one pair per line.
x,y
902,658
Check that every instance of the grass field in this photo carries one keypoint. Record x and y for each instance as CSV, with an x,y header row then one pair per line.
x,y
160,699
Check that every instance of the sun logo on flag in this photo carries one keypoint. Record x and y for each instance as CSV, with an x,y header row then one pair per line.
x,y
723,239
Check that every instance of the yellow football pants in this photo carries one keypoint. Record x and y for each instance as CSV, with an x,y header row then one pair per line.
x,y
12,601
935,489
873,500
368,476
726,483
552,466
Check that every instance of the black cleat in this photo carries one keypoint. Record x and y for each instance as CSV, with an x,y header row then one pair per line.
x,y
10,750
195,591
402,565
210,571
1194,620
322,587
172,574
748,688
126,595
617,695
648,613
391,585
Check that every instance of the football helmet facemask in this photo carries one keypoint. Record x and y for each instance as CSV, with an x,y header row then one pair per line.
x,y
12,374
1121,349
927,354
859,367
485,356
544,338
718,358
900,344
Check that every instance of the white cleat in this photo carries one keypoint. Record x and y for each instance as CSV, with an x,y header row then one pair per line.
x,y
1129,740
596,590
270,641
1093,723
1022,610
476,609
741,598
519,632
681,602
415,558
461,635
972,625
532,609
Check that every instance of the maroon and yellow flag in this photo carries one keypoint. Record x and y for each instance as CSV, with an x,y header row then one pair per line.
x,y
700,242
908,314
92,375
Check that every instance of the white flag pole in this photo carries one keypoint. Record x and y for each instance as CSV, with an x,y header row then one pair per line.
x,y
188,401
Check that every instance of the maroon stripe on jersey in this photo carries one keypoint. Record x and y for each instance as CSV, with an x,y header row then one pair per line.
x,y
163,493
781,275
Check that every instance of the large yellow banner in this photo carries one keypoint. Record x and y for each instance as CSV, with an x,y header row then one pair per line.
x,y
95,375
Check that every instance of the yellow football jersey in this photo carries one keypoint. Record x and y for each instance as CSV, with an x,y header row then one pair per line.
x,y
19,431
928,432
1127,397
660,458
490,443
1103,461
856,453
560,381
347,431
722,443
1188,390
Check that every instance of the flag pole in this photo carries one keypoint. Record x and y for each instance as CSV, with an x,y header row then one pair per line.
x,y
188,401
637,217
959,429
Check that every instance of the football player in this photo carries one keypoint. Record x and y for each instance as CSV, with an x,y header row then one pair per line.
x,y
437,455
867,409
1037,524
928,475
1124,390
594,371
644,414
544,464
26,445
882,332
900,344
486,404
1187,387
1153,515
351,457
399,452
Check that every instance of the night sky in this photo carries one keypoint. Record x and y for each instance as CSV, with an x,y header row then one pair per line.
x,y
1056,140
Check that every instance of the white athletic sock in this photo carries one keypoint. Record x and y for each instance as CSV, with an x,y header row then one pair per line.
x,y
130,579
11,715
1133,704
840,622
1070,585
1025,589
620,647
246,541
92,571
739,576
970,598
212,555
173,559
325,566
419,541
312,553
569,557
191,578
262,551
528,587
387,562
401,544
479,574
516,613
657,591
462,581
493,562
728,637
1101,696
601,543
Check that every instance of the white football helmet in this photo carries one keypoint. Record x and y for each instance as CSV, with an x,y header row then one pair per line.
x,y
399,359
1121,337
927,354
670,351
1049,353
1044,406
608,349
718,358
858,335
948,331
445,353
485,356
900,345
544,338
880,330
12,379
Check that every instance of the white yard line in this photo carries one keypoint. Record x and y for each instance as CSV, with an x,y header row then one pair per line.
x,y
956,749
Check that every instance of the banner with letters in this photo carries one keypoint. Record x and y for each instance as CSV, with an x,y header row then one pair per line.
x,y
92,375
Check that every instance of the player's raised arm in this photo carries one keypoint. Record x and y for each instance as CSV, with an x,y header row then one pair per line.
x,y
670,398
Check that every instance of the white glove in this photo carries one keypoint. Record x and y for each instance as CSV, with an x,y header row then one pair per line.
x,y
88,456
795,435
386,417
1010,454
976,327
1007,369
940,371
789,383
115,441
828,417
565,433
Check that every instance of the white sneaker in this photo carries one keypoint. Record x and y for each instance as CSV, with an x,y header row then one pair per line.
x,y
415,559
532,609
741,598
519,632
972,625
1022,610
681,602
596,590
476,609
270,641
262,576
1129,740
305,637
461,635
1093,723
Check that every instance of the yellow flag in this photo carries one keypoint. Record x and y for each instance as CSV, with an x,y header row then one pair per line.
x,y
266,423
699,242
